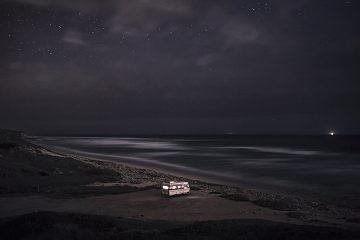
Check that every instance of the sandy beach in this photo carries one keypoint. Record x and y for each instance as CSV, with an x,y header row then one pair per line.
x,y
37,180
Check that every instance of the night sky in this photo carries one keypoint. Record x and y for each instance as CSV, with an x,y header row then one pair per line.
x,y
180,66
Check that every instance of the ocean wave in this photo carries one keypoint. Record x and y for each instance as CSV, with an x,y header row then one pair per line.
x,y
275,150
136,143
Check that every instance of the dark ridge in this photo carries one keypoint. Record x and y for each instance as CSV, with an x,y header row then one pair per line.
x,y
7,145
49,225
10,139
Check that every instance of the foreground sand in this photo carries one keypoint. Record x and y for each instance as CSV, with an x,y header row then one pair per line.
x,y
147,204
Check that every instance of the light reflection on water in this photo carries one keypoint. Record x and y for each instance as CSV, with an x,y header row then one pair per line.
x,y
283,162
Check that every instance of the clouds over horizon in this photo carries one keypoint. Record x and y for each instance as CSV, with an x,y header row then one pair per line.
x,y
180,58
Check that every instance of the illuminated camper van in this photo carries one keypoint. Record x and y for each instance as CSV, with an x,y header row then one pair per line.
x,y
175,188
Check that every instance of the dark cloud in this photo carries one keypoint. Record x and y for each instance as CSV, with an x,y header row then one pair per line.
x,y
74,37
130,17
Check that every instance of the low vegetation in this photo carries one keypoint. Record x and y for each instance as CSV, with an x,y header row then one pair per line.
x,y
24,169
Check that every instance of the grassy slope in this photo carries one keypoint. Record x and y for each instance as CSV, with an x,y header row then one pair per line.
x,y
24,170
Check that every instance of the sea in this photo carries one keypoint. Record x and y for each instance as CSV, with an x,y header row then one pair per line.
x,y
327,166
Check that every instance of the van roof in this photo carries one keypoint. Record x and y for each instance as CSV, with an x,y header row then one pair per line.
x,y
175,183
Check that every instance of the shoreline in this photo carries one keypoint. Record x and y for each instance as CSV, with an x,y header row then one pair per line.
x,y
58,182
207,180
300,202
188,173
310,177
178,174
